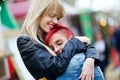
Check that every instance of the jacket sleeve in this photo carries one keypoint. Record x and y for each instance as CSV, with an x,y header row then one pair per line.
x,y
37,57
93,53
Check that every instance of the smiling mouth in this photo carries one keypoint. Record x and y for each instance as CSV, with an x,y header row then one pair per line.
x,y
51,26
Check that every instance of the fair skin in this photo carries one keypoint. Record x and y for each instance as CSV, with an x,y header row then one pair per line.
x,y
57,42
45,24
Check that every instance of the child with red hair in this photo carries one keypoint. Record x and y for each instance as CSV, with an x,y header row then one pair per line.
x,y
56,39
64,32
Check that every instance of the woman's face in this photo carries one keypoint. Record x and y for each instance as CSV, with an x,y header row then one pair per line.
x,y
47,21
57,42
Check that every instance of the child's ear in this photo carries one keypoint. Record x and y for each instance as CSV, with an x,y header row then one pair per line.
x,y
70,37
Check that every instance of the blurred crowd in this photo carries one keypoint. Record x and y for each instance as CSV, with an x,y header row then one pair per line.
x,y
102,27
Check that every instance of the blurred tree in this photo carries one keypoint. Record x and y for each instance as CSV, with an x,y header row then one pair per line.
x,y
7,19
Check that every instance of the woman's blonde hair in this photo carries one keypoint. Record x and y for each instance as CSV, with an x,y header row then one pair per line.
x,y
36,10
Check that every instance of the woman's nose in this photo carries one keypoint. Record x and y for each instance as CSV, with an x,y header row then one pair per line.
x,y
55,20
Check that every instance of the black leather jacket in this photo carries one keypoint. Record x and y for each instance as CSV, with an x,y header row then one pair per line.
x,y
40,63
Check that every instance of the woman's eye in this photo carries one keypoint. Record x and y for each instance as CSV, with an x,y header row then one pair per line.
x,y
58,18
52,15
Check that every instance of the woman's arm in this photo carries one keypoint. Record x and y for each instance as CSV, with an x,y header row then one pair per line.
x,y
87,70
36,57
91,51
92,57
83,39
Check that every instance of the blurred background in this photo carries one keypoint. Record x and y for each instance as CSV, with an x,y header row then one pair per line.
x,y
97,19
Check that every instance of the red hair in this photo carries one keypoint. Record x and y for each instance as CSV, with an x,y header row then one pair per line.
x,y
55,29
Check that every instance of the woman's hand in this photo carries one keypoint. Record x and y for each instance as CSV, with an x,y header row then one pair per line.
x,y
88,70
83,39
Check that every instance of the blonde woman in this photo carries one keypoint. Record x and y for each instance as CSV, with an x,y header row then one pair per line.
x,y
39,59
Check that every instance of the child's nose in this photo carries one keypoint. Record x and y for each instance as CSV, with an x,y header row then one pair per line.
x,y
57,50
